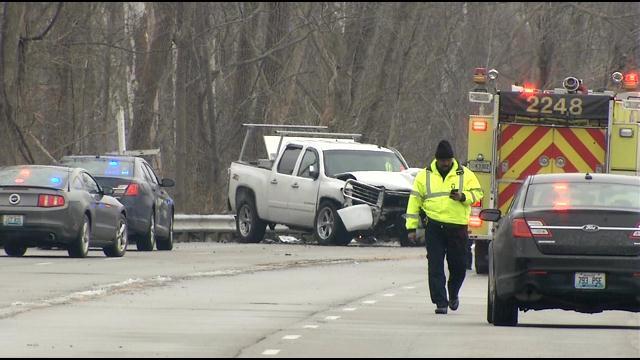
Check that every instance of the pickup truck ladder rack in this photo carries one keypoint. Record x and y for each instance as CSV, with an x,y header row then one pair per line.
x,y
252,127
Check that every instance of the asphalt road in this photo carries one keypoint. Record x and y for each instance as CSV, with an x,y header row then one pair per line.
x,y
272,300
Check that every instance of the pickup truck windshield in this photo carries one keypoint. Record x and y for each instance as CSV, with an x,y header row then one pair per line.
x,y
341,161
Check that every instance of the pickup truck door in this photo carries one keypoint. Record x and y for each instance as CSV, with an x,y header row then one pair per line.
x,y
303,195
280,185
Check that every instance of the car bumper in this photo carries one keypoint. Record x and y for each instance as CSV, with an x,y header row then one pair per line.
x,y
46,227
549,283
138,215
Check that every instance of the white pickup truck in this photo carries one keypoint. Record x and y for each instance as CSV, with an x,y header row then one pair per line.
x,y
328,184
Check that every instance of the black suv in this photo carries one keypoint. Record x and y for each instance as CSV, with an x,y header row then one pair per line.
x,y
131,180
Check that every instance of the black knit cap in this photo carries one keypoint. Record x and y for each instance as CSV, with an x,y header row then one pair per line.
x,y
444,150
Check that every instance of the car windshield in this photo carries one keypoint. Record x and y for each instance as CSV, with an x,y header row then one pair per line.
x,y
33,176
341,161
598,195
100,167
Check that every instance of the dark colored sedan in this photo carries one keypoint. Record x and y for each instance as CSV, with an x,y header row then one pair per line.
x,y
149,207
568,241
50,206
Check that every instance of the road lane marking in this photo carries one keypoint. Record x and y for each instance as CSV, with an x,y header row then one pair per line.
x,y
349,309
332,318
370,302
291,337
409,287
271,352
42,264
389,295
113,258
311,326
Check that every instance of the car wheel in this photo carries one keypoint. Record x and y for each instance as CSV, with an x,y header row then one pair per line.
x,y
481,257
166,243
490,300
249,226
119,247
14,250
328,227
504,312
148,241
79,248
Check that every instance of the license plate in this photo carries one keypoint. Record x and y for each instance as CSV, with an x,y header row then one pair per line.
x,y
584,280
12,220
479,166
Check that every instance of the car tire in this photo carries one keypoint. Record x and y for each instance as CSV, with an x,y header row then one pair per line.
x,y
147,241
121,240
503,312
328,227
79,248
249,226
14,250
166,243
481,258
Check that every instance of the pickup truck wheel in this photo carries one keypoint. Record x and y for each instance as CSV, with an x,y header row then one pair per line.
x,y
249,226
328,228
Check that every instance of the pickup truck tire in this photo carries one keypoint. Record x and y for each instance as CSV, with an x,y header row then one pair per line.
x,y
328,227
250,227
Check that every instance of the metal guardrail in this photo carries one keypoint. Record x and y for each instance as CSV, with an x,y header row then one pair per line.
x,y
204,223
184,223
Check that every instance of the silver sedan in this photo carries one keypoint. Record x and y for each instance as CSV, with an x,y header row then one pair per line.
x,y
50,206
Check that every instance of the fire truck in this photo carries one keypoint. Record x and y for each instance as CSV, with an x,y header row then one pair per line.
x,y
526,131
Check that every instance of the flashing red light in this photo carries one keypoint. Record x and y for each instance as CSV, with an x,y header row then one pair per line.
x,y
560,187
529,88
48,201
19,181
561,204
630,81
476,204
520,229
475,221
479,125
25,172
132,190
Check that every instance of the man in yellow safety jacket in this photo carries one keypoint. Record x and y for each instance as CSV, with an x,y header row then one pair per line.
x,y
444,191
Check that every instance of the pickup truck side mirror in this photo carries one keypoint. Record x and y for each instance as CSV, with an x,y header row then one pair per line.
x,y
313,172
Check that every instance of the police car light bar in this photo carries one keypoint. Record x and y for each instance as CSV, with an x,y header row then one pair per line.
x,y
480,97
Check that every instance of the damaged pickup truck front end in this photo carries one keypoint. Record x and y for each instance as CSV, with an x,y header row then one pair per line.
x,y
375,203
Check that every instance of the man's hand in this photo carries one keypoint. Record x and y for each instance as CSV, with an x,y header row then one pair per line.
x,y
412,236
456,195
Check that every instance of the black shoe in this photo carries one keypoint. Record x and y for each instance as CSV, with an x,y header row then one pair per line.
x,y
441,310
454,303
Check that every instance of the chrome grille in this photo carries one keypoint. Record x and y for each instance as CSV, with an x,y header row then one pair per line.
x,y
362,193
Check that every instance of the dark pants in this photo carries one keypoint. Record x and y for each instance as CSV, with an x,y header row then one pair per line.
x,y
451,241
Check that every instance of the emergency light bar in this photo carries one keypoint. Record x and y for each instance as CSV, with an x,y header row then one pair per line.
x,y
480,97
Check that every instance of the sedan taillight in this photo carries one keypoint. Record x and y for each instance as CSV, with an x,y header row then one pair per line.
x,y
132,190
521,228
49,201
636,234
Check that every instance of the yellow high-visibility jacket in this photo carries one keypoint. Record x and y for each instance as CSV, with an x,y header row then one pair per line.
x,y
431,193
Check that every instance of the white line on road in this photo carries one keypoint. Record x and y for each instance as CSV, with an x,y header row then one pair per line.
x,y
349,309
291,337
271,352
332,318
42,264
113,258
311,326
389,295
370,302
409,287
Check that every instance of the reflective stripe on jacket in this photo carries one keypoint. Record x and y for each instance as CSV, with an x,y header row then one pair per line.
x,y
431,193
